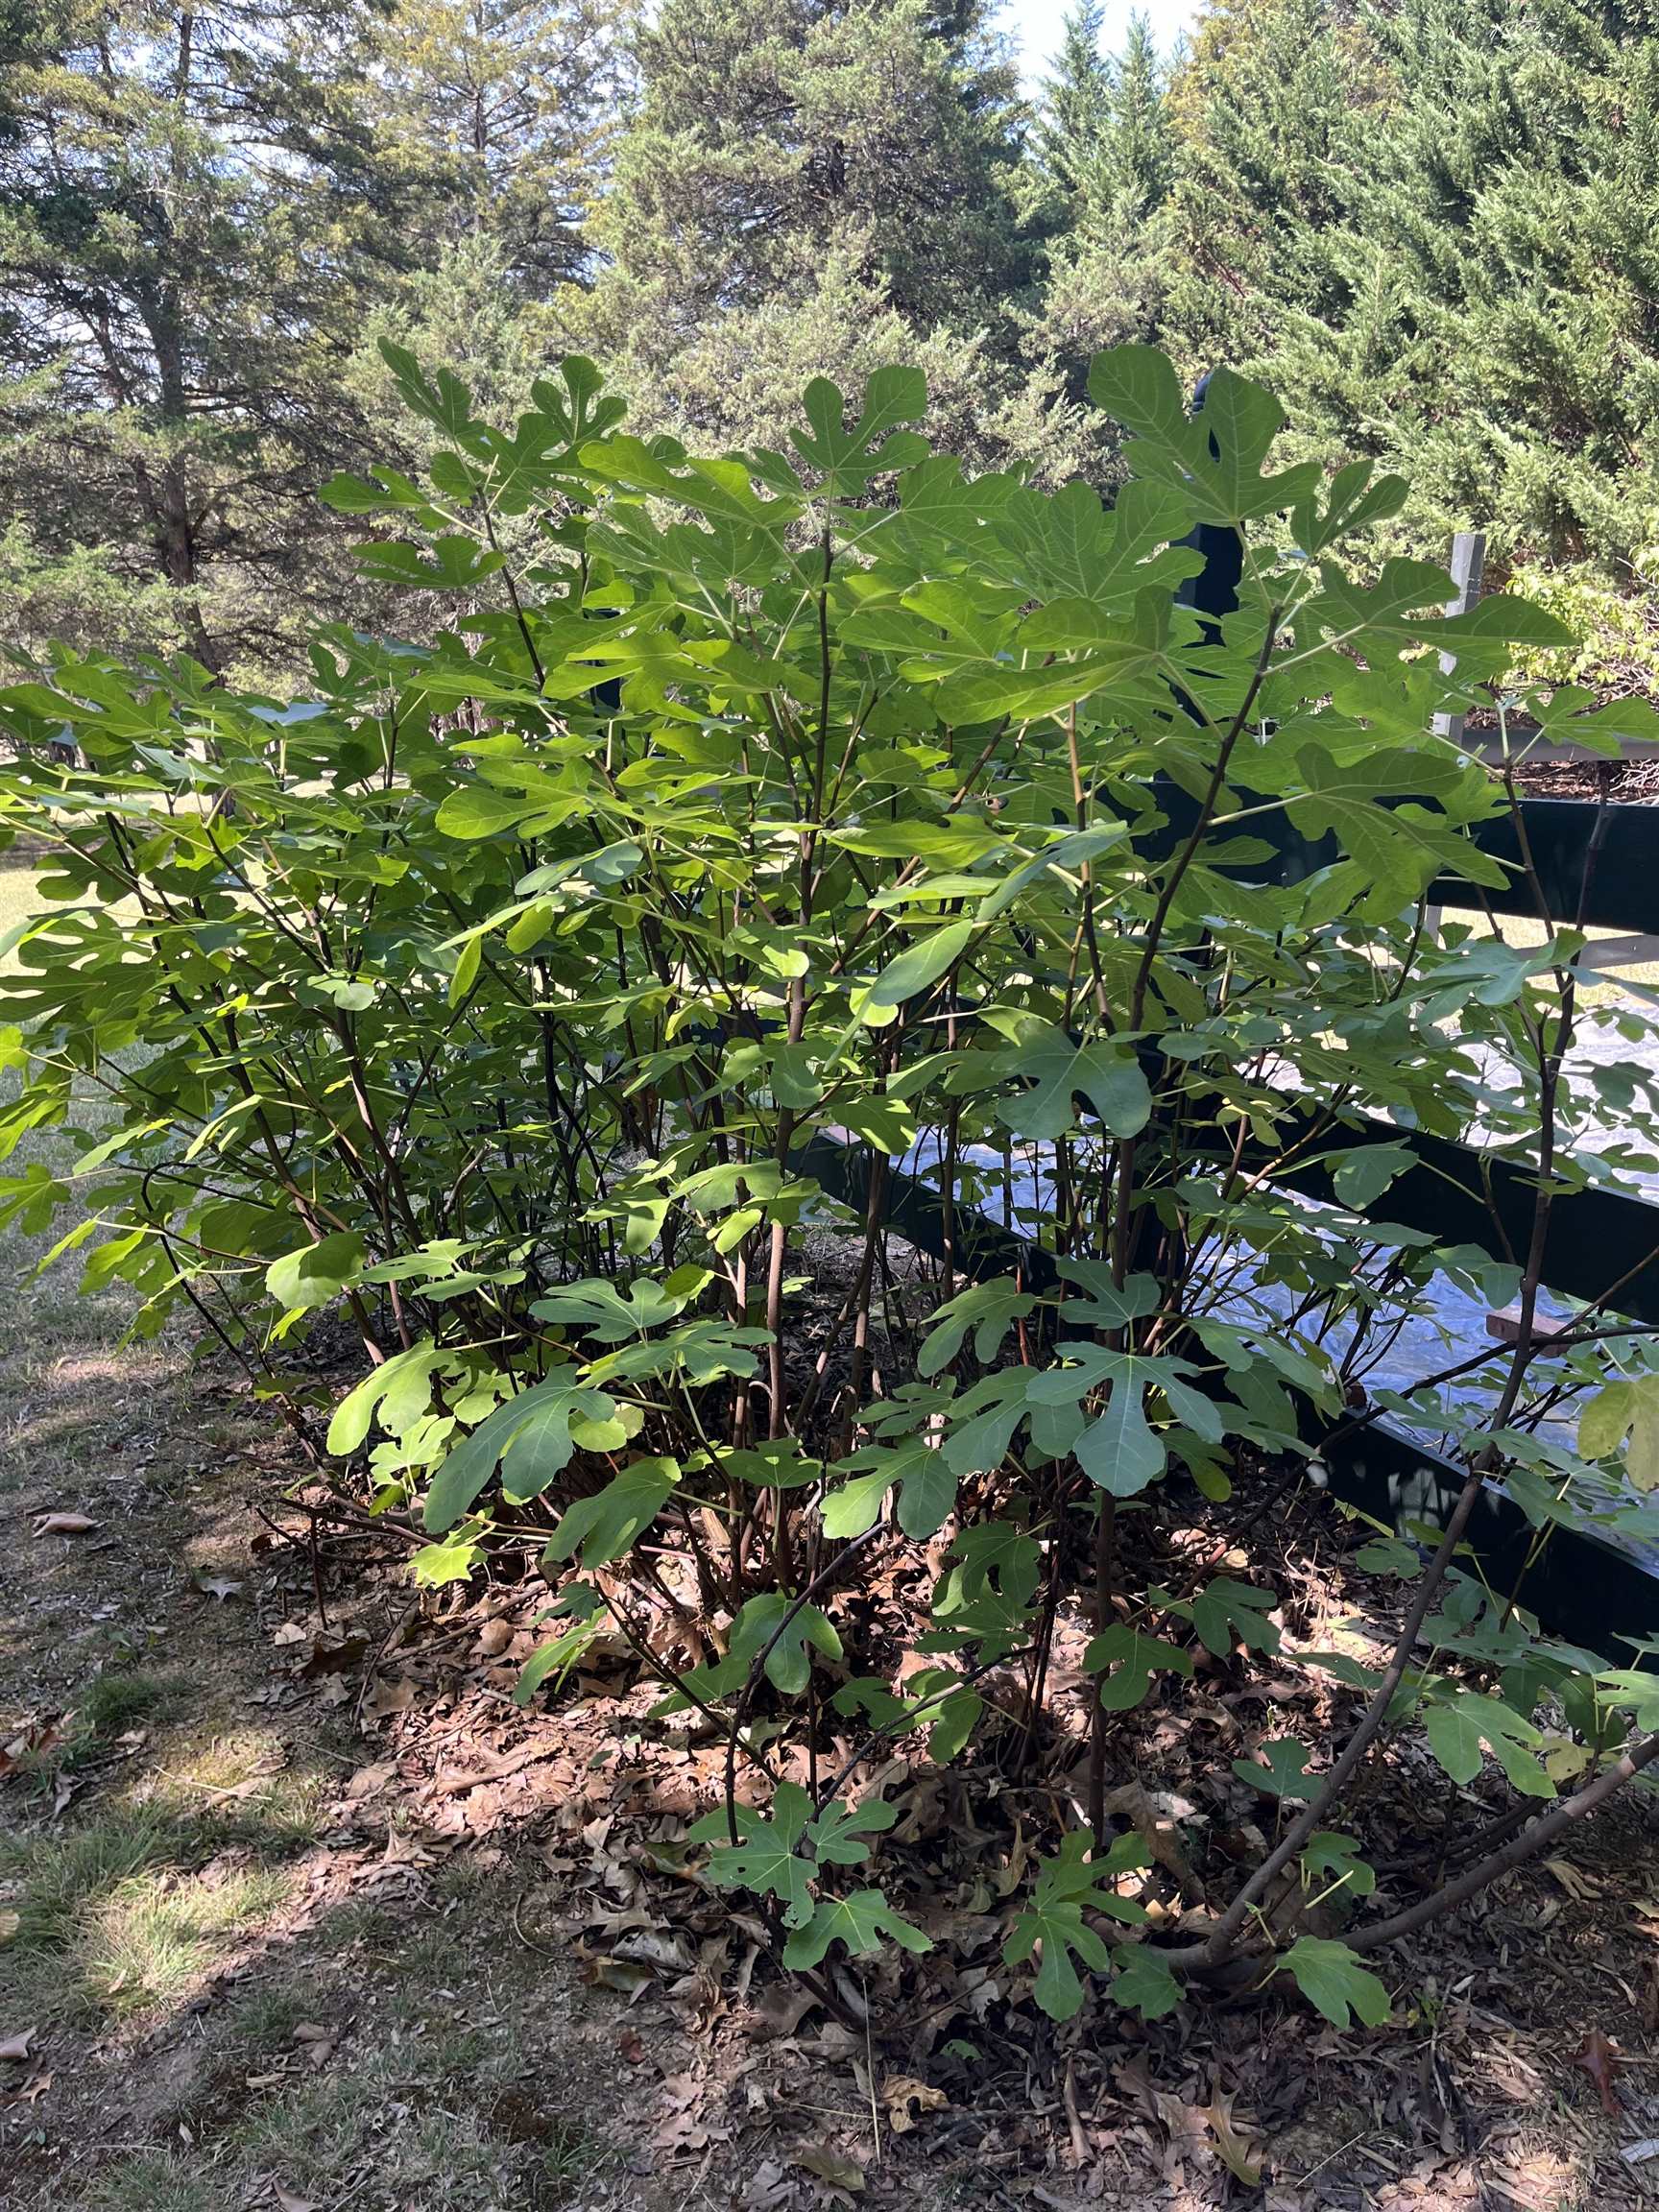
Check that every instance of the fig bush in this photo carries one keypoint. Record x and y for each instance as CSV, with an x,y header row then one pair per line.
x,y
785,1041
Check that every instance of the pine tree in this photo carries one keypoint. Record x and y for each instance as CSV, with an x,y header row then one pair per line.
x,y
813,186
1427,224
1075,112
1522,286
1139,143
183,198
1277,111
494,122
1107,266
498,114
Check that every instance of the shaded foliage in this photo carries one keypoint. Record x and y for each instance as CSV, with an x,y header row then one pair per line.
x,y
557,1002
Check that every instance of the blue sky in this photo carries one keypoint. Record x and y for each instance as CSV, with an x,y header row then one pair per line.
x,y
1035,25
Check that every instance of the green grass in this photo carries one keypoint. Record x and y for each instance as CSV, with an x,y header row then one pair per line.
x,y
108,1707
156,2181
111,1704
263,2021
429,2098
173,1864
123,1915
430,2084
64,1874
151,1937
237,1785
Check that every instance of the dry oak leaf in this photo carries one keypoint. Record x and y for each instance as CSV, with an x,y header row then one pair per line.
x,y
20,2046
369,1779
684,2126
316,2041
768,2189
390,1693
1231,2134
779,2010
600,1971
333,1658
1599,2056
663,1949
906,2099
63,1524
38,1737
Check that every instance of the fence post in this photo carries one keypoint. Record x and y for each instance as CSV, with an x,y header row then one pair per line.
x,y
1215,589
1468,560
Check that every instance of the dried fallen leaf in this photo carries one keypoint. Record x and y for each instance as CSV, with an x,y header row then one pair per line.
x,y
289,1632
832,2166
623,1974
333,1658
1577,1886
659,1948
768,2188
684,2126
63,1524
1599,2056
367,1780
1230,2140
218,1586
906,2099
285,2203
631,2047
778,2010
40,1737
394,1694
20,2046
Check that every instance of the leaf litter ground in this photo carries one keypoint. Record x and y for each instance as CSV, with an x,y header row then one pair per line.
x,y
300,1911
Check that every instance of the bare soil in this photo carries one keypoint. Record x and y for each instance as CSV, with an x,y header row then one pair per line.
x,y
308,1914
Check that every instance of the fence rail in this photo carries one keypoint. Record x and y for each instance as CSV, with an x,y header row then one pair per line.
x,y
1582,1587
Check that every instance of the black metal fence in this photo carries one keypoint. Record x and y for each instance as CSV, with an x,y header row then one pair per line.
x,y
1598,866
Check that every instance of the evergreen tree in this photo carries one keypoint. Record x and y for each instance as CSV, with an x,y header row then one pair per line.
x,y
1428,224
497,114
1277,111
183,198
1107,272
1522,283
493,119
1075,113
818,184
1139,165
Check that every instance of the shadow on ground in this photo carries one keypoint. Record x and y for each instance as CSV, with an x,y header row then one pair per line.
x,y
214,1994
